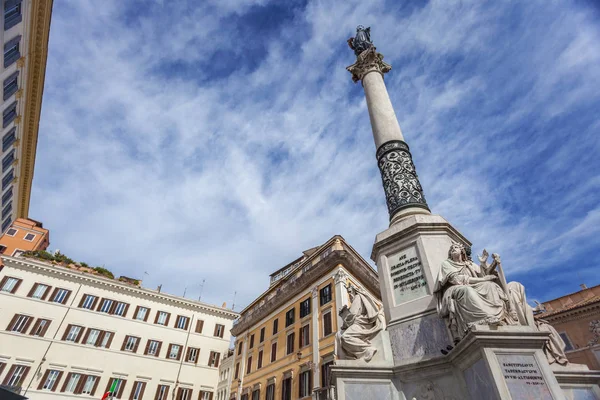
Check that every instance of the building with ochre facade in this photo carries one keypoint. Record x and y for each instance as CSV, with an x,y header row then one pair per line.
x,y
285,339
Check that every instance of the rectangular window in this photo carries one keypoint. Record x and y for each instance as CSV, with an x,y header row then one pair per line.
x,y
131,343
162,318
39,291
305,384
173,352
286,389
7,140
11,232
262,335
6,224
213,359
199,326
204,395
88,301
137,392
142,313
290,343
7,210
106,340
219,330
325,295
73,333
249,365
244,396
256,394
290,317
92,337
72,382
326,374
119,387
260,359
19,323
121,309
162,392
40,327
16,375
12,51
11,85
8,160
275,326
237,371
192,355
182,322
305,308
240,345
565,338
10,284
251,341
153,348
60,295
184,394
273,351
106,306
12,13
327,328
89,384
305,335
9,114
51,380
6,197
270,392
29,237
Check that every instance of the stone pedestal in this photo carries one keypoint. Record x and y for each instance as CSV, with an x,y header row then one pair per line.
x,y
408,256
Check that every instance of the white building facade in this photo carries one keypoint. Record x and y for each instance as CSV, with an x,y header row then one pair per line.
x,y
68,334
225,377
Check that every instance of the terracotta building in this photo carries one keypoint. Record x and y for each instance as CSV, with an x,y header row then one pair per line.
x,y
576,317
24,235
286,337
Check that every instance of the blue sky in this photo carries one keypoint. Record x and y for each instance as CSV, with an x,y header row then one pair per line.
x,y
218,139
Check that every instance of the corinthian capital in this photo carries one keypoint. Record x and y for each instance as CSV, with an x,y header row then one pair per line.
x,y
368,61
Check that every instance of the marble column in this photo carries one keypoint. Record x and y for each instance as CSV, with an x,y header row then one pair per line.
x,y
403,191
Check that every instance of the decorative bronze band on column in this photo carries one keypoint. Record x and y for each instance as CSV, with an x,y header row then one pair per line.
x,y
400,181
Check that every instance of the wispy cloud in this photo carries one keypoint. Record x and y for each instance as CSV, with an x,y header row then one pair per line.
x,y
218,140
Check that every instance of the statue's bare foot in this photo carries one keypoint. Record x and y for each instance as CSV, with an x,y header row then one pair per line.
x,y
369,353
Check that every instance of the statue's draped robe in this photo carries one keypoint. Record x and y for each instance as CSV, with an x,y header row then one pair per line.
x,y
555,346
362,323
465,304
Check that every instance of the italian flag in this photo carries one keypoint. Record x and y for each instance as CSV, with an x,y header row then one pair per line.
x,y
111,392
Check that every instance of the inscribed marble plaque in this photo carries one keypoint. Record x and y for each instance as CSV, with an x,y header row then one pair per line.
x,y
523,377
406,276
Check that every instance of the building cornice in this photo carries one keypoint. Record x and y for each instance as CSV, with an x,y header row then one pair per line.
x,y
290,288
41,12
113,285
584,311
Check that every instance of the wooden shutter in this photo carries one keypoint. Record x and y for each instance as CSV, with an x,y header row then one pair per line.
x,y
210,396
46,292
167,320
113,305
179,353
217,359
124,343
82,300
187,354
44,377
98,309
187,323
125,310
142,390
66,297
45,328
3,281
109,384
137,344
146,319
29,320
169,350
215,331
156,319
80,383
53,294
12,322
9,374
79,334
32,291
158,349
95,386
199,326
147,346
87,334
64,386
55,386
136,312
121,388
64,337
35,326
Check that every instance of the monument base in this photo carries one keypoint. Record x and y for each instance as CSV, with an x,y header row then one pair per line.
x,y
499,363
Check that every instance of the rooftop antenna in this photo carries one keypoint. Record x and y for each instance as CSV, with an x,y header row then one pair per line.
x,y
184,290
201,289
233,303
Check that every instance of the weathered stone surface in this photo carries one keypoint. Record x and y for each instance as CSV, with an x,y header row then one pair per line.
x,y
420,337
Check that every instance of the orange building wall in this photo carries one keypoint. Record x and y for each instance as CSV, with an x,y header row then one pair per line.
x,y
24,226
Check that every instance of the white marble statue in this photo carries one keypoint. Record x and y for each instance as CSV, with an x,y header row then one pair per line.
x,y
362,321
466,296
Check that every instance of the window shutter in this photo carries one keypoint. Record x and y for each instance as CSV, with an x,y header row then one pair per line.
x,y
12,322
147,347
94,305
46,293
98,309
82,300
137,344
215,331
210,396
32,291
29,320
187,354
53,294
79,335
110,381
179,353
64,337
124,343
66,297
95,386
167,320
45,329
169,350
80,384
146,320
60,374
157,392
9,374
87,334
158,349
121,388
187,323
142,390
110,339
112,308
64,386
156,321
35,326
199,326
137,309
41,385
14,290
23,376
125,310
217,359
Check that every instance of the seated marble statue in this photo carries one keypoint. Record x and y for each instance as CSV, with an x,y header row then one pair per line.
x,y
362,321
467,297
